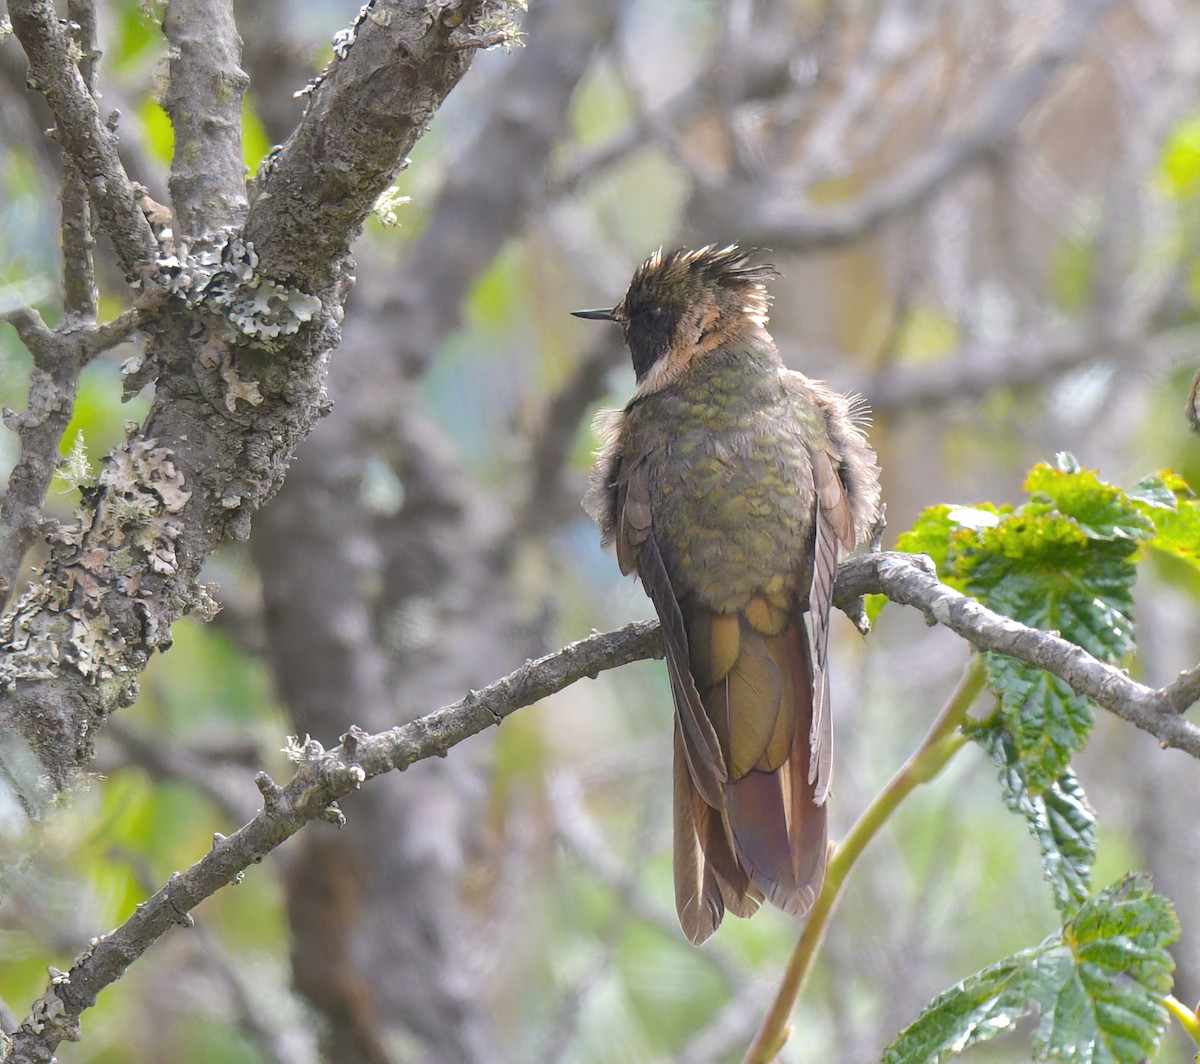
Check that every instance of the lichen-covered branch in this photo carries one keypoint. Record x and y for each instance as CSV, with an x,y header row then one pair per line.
x,y
325,776
57,362
331,628
86,140
204,101
389,76
239,360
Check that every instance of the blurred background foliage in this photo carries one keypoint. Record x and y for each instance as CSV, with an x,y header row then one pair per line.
x,y
515,903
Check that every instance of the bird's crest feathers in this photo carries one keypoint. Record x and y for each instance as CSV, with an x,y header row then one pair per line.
x,y
686,274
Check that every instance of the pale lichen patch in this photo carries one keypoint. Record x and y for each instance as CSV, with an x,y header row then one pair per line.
x,y
127,530
221,274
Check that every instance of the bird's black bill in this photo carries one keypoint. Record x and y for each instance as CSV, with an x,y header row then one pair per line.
x,y
597,315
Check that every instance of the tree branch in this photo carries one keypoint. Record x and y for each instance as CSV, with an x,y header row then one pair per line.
x,y
332,628
84,137
909,580
204,101
321,779
364,117
977,371
57,363
201,465
324,777
79,275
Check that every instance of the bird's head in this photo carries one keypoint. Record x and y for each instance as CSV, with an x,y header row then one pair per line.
x,y
682,304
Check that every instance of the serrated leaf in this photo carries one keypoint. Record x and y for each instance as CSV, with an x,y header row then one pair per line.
x,y
1102,511
1168,502
1157,491
1044,721
1110,1009
980,1007
942,532
1061,564
1058,817
1097,985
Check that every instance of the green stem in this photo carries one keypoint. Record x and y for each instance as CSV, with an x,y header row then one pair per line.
x,y
1187,1018
938,747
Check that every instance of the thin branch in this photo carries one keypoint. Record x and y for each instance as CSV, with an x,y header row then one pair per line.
x,y
59,357
575,827
319,782
107,336
204,101
1187,1018
894,38
1025,362
909,579
763,80
84,136
581,839
545,503
78,269
727,1029
278,1037
479,207
223,467
324,777
57,363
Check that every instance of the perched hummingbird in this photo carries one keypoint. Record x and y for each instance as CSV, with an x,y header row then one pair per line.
x,y
729,483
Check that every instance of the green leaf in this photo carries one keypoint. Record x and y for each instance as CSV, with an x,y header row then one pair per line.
x,y
255,142
1097,986
157,131
1101,510
980,1007
1046,573
1167,501
1158,491
930,534
1058,817
1062,563
1043,720
1114,956
944,531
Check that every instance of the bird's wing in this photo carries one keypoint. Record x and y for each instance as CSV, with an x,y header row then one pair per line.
x,y
834,526
638,548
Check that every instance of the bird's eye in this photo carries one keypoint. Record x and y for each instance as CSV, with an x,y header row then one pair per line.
x,y
656,311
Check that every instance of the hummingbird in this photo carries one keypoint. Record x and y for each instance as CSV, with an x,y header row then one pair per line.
x,y
729,485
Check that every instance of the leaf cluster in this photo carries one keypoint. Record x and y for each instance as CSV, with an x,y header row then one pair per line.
x,y
1065,560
